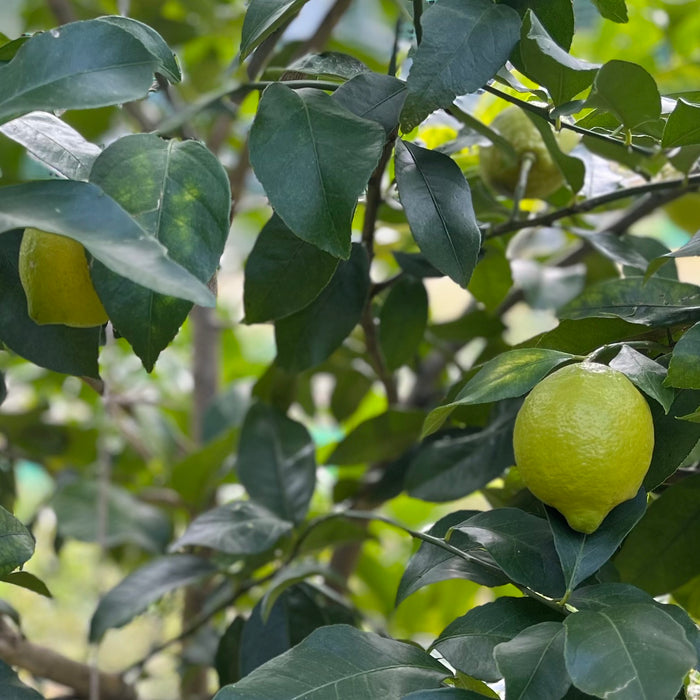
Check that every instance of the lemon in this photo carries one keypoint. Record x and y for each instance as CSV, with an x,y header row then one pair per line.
x,y
583,441
685,212
55,276
498,171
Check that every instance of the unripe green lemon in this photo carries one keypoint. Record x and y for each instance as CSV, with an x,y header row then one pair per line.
x,y
544,178
583,441
55,276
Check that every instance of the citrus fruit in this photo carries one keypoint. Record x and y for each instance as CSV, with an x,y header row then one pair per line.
x,y
502,175
583,441
55,276
685,212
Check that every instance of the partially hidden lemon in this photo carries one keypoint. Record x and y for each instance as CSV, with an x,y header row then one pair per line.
x,y
545,176
55,276
583,442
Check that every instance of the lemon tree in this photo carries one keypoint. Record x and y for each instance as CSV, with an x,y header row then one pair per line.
x,y
300,399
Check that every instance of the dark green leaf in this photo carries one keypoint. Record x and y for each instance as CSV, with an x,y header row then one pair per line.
x,y
616,248
329,63
582,555
380,438
402,321
469,641
587,334
492,279
437,201
55,346
615,10
655,302
355,664
263,17
532,663
484,37
684,370
507,375
646,374
54,143
85,64
297,141
604,596
179,193
276,462
308,337
239,528
283,273
82,211
682,127
11,688
557,16
521,544
661,552
629,652
628,92
351,387
24,579
16,543
227,661
136,592
444,694
431,563
690,249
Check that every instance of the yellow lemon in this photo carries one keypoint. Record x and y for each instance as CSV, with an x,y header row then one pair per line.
x,y
55,276
583,441
498,172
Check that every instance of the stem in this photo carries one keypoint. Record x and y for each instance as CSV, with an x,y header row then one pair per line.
x,y
526,166
417,14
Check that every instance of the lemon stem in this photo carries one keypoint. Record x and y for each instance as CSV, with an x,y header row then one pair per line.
x,y
528,160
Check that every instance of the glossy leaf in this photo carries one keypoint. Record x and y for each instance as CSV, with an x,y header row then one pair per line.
x,y
441,69
179,193
469,641
355,664
684,369
16,543
329,63
263,17
297,141
54,143
83,211
11,688
603,596
615,10
627,653
661,553
238,528
437,201
646,374
307,337
85,64
682,125
136,592
283,273
276,462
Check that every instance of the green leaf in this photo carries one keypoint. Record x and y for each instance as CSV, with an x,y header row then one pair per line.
x,y
469,641
276,462
307,337
521,544
283,274
655,302
627,653
378,439
82,211
492,280
684,369
297,141
615,10
661,552
262,18
84,65
483,35
690,249
239,528
52,142
355,664
11,688
431,563
646,374
628,92
617,248
334,64
582,555
532,663
16,543
557,16
227,661
129,520
445,694
402,321
682,126
3,386
351,386
545,62
438,205
604,596
507,375
674,439
179,193
136,592
30,582
57,347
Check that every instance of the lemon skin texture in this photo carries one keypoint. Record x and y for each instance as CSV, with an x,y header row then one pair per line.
x,y
55,276
583,441
498,172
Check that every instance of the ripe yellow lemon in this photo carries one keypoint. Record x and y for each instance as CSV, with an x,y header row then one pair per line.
x,y
583,441
544,178
55,276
